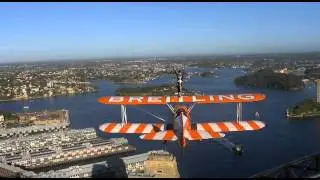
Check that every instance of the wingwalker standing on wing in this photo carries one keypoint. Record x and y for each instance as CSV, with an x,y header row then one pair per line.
x,y
180,77
180,128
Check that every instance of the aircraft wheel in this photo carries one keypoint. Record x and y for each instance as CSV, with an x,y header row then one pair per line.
x,y
238,149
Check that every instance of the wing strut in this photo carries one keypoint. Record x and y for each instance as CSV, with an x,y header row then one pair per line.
x,y
191,107
124,114
171,108
239,112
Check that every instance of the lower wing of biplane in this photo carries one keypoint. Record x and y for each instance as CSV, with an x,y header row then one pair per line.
x,y
231,126
159,131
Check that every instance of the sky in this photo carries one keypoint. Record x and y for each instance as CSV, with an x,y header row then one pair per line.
x,y
45,31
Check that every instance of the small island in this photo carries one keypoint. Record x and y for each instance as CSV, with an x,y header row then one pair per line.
x,y
160,90
304,109
268,79
207,74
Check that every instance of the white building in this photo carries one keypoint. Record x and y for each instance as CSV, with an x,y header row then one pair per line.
x,y
318,90
1,121
50,84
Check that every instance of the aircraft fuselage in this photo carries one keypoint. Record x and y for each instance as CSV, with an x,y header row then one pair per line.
x,y
181,122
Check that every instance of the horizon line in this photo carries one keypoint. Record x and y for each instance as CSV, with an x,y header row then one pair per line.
x,y
156,56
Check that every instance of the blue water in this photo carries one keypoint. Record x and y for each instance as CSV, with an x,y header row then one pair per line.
x,y
281,141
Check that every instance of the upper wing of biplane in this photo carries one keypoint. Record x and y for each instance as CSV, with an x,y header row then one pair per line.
x,y
231,126
131,128
140,100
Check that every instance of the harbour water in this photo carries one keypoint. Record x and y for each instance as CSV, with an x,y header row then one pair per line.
x,y
282,140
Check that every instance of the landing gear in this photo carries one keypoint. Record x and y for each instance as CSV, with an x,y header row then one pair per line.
x,y
238,149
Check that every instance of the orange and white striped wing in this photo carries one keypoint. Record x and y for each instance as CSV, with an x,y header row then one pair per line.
x,y
232,126
168,135
207,99
131,128
199,135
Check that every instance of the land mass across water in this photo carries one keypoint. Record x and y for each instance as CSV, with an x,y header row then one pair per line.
x,y
266,78
152,90
305,109
208,74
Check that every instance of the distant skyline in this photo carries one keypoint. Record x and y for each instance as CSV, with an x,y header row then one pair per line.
x,y
57,31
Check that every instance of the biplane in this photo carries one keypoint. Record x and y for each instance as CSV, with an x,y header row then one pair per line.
x,y
181,128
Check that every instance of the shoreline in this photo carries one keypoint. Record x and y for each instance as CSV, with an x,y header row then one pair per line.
x,y
45,97
301,116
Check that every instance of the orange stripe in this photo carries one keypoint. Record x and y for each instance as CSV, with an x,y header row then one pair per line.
x,y
215,135
103,100
207,127
140,128
125,128
158,126
223,127
238,126
195,135
110,127
253,125
169,135
149,136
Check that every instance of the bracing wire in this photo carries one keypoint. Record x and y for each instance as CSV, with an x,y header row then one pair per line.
x,y
149,113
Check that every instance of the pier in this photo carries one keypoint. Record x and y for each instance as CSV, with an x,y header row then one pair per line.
x,y
53,150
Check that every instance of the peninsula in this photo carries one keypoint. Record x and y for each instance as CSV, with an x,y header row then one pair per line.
x,y
207,74
268,79
156,90
304,109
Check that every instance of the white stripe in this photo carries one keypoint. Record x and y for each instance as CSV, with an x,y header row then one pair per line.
x,y
260,124
147,129
142,136
230,126
200,127
103,126
245,125
159,135
116,128
162,127
133,128
174,138
222,135
168,99
184,120
215,127
187,135
204,135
